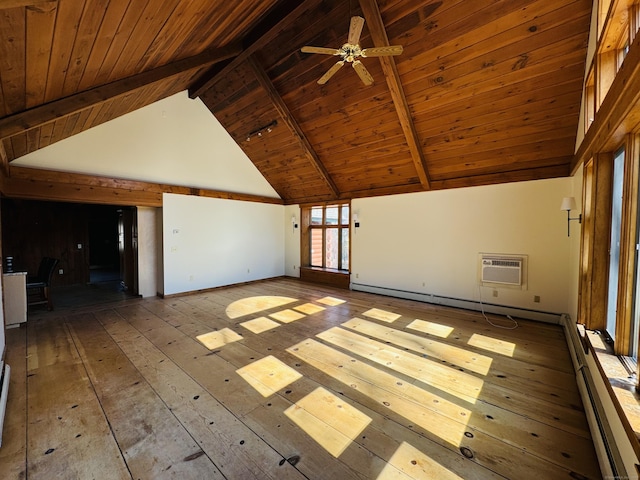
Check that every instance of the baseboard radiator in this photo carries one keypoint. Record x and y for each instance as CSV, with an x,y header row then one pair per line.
x,y
4,394
537,315
607,448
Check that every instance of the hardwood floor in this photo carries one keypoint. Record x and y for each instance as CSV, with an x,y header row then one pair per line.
x,y
282,379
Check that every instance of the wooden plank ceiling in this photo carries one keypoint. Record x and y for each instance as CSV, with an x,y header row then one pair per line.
x,y
484,92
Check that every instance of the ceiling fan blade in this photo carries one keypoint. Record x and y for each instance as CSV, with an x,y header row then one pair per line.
x,y
382,51
324,50
355,29
330,73
362,72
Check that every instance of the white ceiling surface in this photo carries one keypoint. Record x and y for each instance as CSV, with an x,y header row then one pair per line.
x,y
175,141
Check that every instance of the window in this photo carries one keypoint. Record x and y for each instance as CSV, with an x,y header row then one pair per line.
x,y
328,234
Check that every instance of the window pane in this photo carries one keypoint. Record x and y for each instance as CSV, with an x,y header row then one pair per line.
x,y
345,215
316,216
331,257
316,247
345,249
331,215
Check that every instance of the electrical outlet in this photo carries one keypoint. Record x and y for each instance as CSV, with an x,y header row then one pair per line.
x,y
191,278
536,298
495,293
61,271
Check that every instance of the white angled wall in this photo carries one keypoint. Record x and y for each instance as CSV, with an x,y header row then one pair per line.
x,y
429,242
210,242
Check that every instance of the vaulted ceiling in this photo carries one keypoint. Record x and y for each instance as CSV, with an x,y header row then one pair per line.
x,y
484,92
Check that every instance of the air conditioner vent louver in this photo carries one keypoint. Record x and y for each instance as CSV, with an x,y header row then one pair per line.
x,y
505,271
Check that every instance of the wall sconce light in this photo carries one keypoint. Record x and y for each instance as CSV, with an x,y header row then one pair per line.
x,y
294,222
356,221
258,132
568,204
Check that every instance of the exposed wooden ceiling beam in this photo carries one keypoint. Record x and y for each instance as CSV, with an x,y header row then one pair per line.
x,y
267,31
34,117
31,183
19,3
380,39
292,124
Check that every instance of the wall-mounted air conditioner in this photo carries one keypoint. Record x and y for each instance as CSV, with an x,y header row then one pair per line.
x,y
504,270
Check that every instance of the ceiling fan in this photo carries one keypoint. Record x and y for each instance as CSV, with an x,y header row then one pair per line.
x,y
351,51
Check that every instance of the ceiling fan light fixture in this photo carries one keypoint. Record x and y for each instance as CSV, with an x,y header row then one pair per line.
x,y
351,52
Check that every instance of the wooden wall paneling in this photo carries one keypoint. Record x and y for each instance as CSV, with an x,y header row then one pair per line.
x,y
63,192
40,26
66,29
602,194
34,117
153,17
628,251
478,39
38,184
277,21
118,44
4,161
12,58
19,144
606,69
92,16
617,114
111,27
8,148
586,245
32,230
171,38
33,140
538,173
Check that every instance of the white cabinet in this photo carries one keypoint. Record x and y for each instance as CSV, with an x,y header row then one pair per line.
x,y
15,297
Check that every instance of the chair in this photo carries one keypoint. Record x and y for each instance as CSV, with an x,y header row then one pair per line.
x,y
38,287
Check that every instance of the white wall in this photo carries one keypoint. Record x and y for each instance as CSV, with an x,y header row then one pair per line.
x,y
429,242
147,252
292,241
176,141
210,242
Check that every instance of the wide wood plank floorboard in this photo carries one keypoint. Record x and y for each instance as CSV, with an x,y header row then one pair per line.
x,y
282,379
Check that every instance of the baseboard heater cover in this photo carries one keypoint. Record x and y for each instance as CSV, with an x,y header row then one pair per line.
x,y
540,316
4,394
609,457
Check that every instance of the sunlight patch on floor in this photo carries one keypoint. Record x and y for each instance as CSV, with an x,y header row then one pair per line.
x,y
331,301
219,338
492,344
268,375
328,419
252,305
463,385
436,329
435,414
408,462
287,316
309,308
381,315
260,324
472,361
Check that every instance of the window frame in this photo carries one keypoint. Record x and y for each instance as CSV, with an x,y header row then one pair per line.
x,y
308,227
